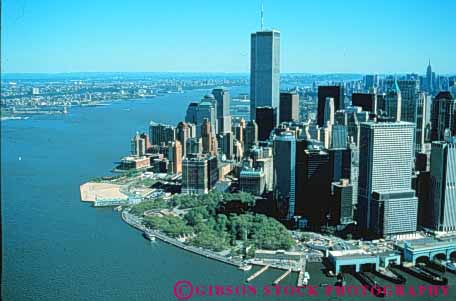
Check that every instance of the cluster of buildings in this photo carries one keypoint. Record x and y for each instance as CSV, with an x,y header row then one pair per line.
x,y
381,158
91,89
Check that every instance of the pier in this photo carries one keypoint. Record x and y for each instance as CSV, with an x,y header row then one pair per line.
x,y
303,276
258,273
281,277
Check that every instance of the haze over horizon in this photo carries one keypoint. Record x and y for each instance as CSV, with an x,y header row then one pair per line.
x,y
182,36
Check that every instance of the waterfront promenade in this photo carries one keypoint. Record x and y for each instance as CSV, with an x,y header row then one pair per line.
x,y
136,223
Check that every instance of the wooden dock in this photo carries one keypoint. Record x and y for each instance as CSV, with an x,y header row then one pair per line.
x,y
281,277
258,273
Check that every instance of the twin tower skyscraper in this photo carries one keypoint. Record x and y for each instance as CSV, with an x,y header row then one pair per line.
x,y
265,71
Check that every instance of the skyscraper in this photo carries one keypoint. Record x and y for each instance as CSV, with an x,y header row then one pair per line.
x,y
222,97
183,133
339,137
250,136
284,173
208,138
228,145
194,146
385,167
192,110
409,98
195,175
443,116
328,116
240,128
429,78
335,92
367,101
341,206
138,146
266,120
393,101
421,123
206,110
443,188
313,182
175,157
264,70
289,106
351,118
161,133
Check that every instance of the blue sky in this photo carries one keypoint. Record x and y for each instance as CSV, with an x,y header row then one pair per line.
x,y
382,36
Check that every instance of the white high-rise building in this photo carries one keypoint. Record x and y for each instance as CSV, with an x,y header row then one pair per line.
x,y
387,205
329,112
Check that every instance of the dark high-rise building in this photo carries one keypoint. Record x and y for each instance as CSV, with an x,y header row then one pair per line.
x,y
250,136
266,121
423,187
341,206
335,92
339,164
161,133
443,188
313,183
264,70
339,136
422,114
367,101
212,171
409,98
194,175
192,110
443,116
289,106
381,102
285,173
228,145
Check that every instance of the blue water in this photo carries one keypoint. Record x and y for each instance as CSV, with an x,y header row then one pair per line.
x,y
57,248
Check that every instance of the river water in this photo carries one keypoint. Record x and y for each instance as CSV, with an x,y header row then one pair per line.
x,y
57,248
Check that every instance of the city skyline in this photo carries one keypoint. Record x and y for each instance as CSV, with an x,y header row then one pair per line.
x,y
327,37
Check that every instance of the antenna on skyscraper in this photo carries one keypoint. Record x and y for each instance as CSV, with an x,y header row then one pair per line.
x,y
262,13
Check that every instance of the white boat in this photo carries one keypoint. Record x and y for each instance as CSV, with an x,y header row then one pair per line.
x,y
245,267
451,266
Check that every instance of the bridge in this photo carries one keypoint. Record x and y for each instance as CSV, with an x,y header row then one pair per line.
x,y
428,250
